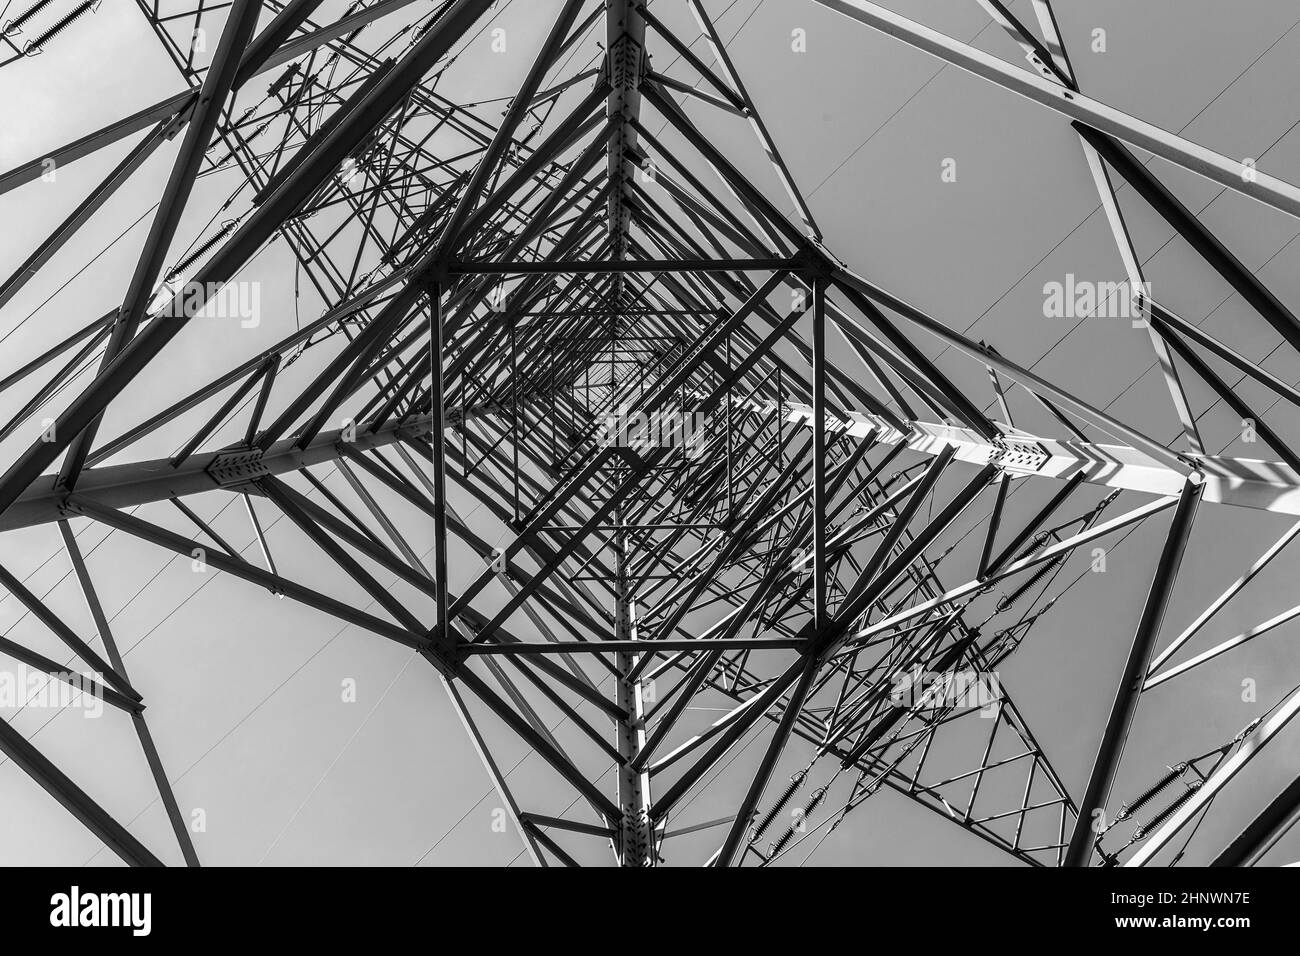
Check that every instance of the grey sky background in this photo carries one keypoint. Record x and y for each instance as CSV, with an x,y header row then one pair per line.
x,y
244,689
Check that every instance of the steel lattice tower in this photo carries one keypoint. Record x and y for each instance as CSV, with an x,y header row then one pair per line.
x,y
713,466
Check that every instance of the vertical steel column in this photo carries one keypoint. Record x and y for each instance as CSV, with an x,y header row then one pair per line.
x,y
1135,669
636,844
625,41
516,435
819,451
439,452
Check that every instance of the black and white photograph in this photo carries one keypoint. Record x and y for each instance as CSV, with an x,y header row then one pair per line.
x,y
767,434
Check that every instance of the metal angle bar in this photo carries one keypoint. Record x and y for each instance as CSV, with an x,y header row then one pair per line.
x,y
753,710
87,406
1262,833
204,527
56,625
494,772
635,842
1267,486
569,712
755,120
878,373
753,198
345,372
858,601
1034,523
380,594
954,396
219,416
1167,321
1052,35
379,515
160,536
736,103
61,673
1250,748
1130,684
820,569
1226,172
625,64
122,486
95,328
580,267
263,396
258,533
75,800
1217,604
884,552
709,824
1035,52
702,95
1187,225
295,48
530,715
1232,399
1153,449
235,35
159,112
552,93
362,539
87,208
165,792
61,378
635,646
438,452
574,826
291,16
731,844
1124,243
1154,680
995,521
504,135
551,845
544,748
581,121
1047,554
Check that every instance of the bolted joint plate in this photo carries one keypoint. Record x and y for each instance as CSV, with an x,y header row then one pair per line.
x,y
230,469
448,658
1018,457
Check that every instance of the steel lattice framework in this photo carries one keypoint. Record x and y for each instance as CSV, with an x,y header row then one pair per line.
x,y
499,292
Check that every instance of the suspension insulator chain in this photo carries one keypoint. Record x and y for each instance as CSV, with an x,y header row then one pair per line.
x,y
796,781
15,25
194,256
1151,792
1143,831
795,827
37,45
